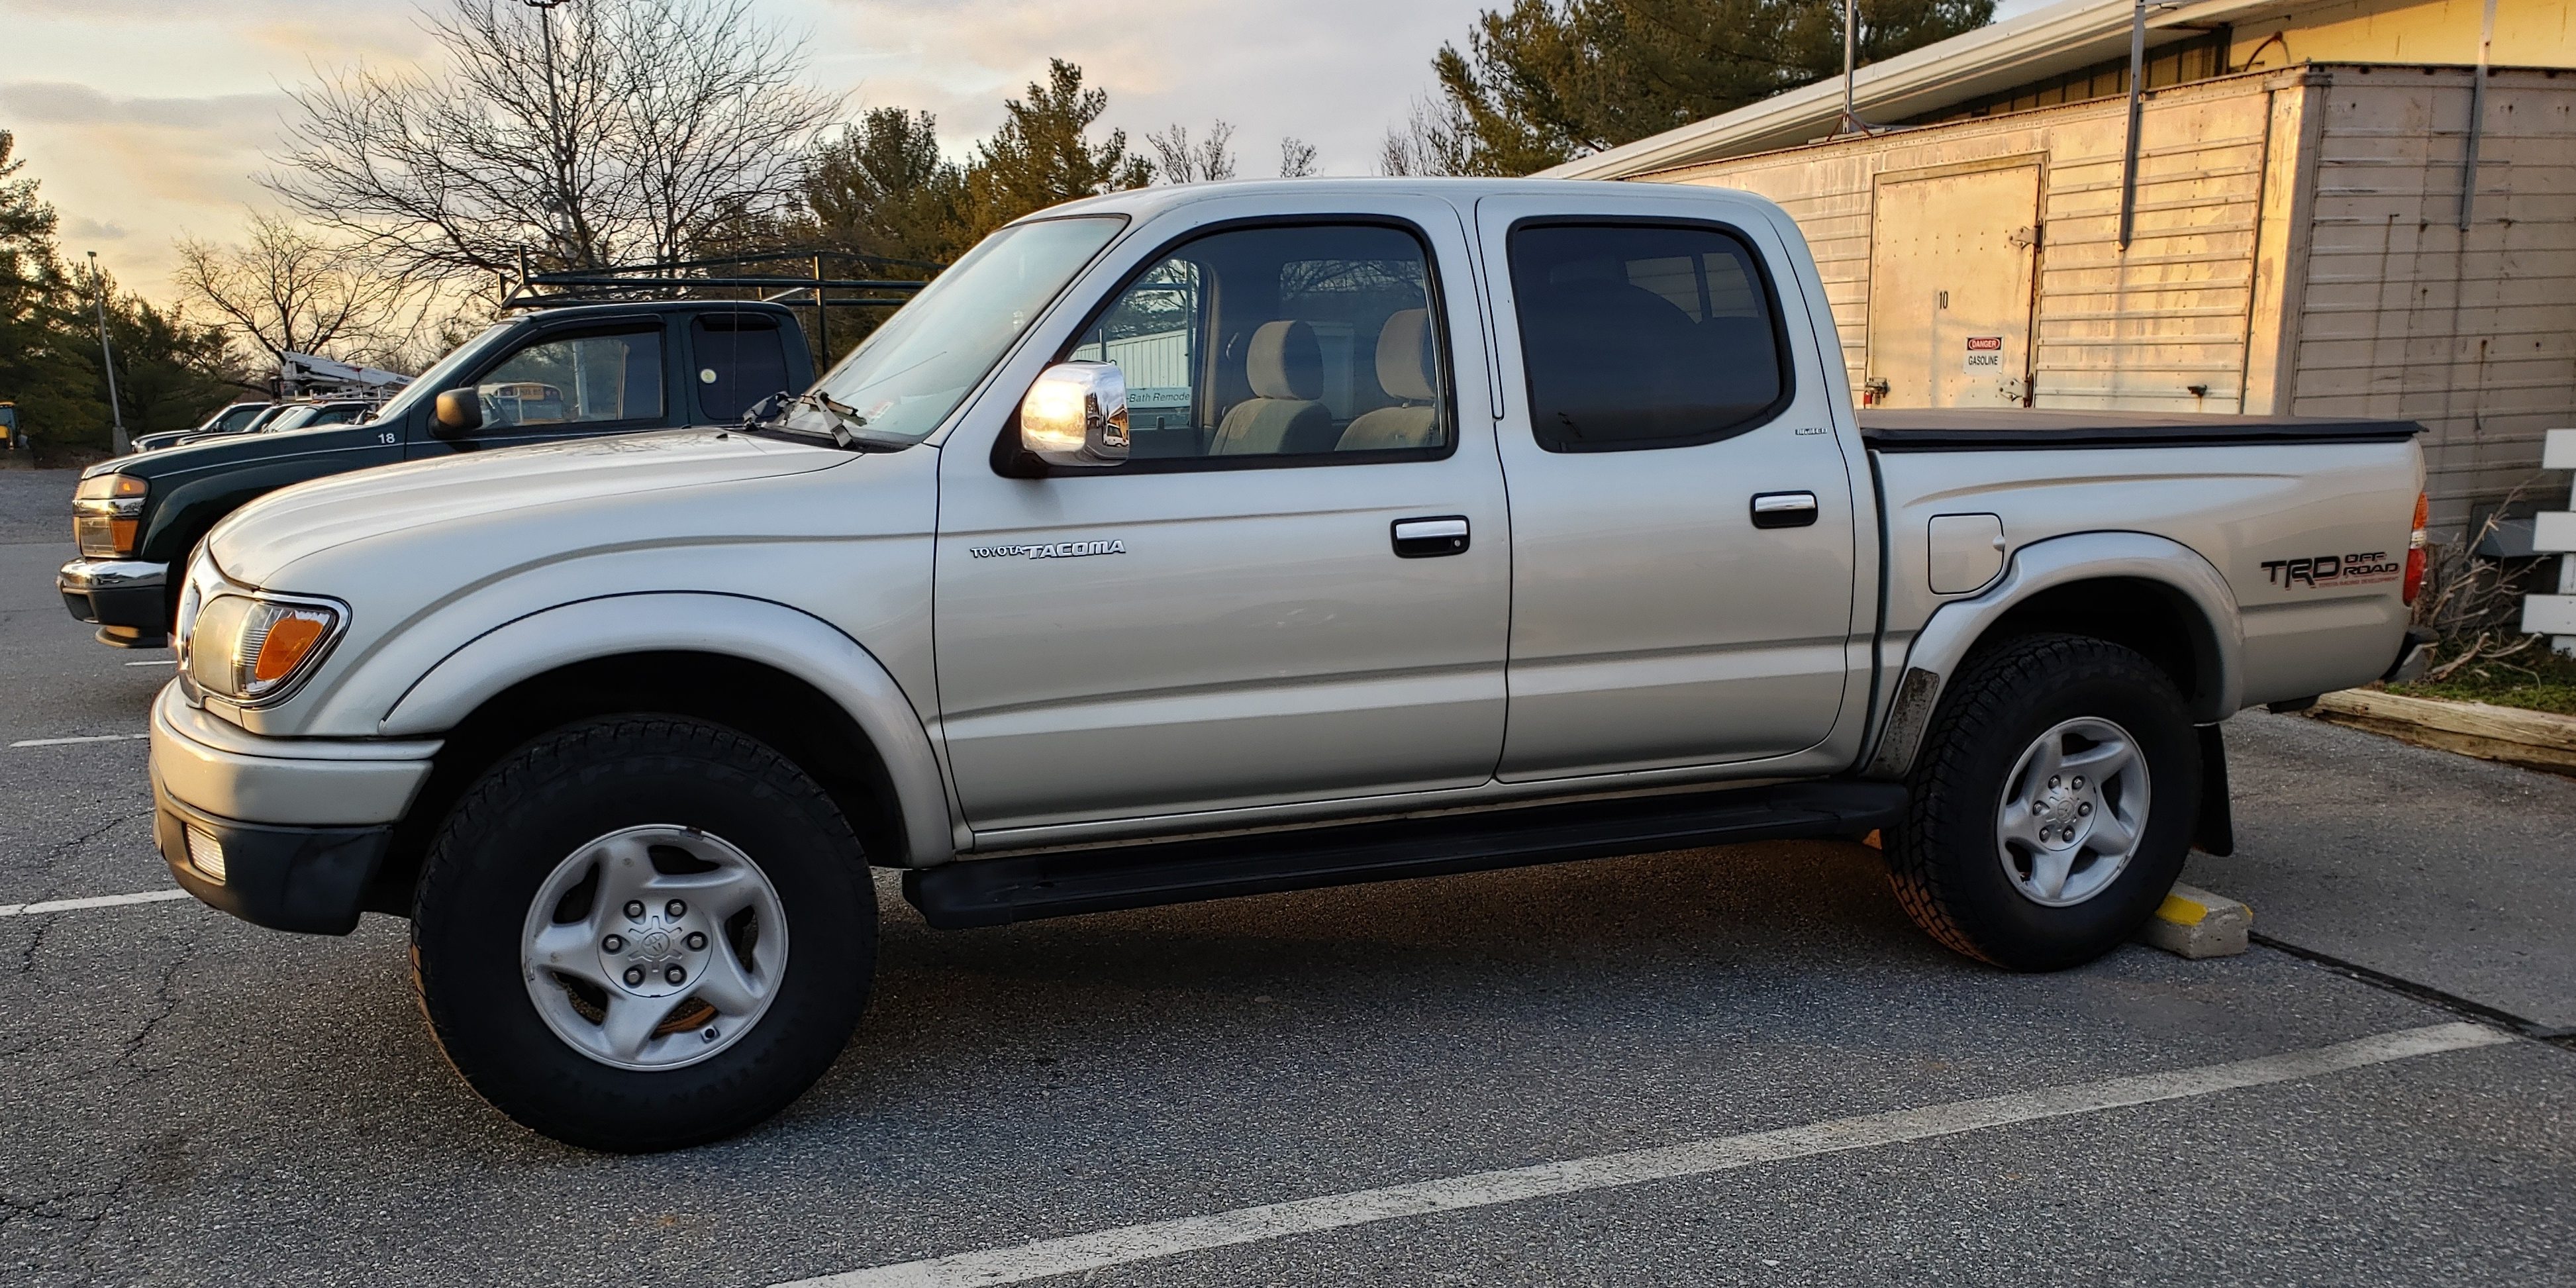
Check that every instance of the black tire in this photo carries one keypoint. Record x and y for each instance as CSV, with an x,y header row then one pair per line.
x,y
539,805
1946,863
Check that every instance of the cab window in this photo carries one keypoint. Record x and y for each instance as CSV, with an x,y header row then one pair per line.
x,y
1642,336
741,358
575,380
1309,343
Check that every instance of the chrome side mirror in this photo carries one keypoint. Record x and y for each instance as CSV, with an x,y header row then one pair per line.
x,y
1076,415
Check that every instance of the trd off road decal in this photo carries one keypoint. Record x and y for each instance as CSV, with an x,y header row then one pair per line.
x,y
2333,570
1055,550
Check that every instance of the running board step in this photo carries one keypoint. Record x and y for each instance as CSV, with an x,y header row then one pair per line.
x,y
1058,883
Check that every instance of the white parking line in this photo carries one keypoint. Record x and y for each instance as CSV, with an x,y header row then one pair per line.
x,y
1104,1248
155,661
94,901
65,742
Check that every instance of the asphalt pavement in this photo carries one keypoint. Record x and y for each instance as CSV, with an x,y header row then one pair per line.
x,y
194,1100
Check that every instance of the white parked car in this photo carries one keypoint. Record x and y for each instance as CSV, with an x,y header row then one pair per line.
x,y
1472,524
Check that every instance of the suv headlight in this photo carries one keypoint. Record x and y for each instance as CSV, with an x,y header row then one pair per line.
x,y
252,647
107,515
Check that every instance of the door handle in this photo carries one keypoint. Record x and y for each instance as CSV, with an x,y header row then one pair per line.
x,y
1430,538
1784,509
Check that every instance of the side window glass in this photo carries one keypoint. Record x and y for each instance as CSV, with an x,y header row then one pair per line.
x,y
1262,343
1153,331
1639,336
741,357
589,379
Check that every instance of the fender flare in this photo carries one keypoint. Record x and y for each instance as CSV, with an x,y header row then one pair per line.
x,y
755,630
1955,628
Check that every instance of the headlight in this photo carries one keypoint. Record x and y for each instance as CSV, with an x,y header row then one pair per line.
x,y
254,648
107,514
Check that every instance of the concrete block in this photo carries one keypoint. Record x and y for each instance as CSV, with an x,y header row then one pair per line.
x,y
2194,923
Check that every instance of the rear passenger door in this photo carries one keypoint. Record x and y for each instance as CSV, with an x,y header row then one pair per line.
x,y
1682,520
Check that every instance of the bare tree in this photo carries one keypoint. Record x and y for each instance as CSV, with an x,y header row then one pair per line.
x,y
715,129
286,290
1296,158
1436,138
602,132
1177,160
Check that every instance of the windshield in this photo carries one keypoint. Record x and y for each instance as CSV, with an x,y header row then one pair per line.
x,y
233,417
904,379
427,384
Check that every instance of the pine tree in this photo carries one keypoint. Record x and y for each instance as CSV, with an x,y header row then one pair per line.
x,y
1549,80
45,366
882,188
1043,154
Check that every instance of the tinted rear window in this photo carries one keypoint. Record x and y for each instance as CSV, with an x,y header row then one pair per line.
x,y
742,358
1640,336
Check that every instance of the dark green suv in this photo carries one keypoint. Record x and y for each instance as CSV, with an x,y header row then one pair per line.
x,y
577,372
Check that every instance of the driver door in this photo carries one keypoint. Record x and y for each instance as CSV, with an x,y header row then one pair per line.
x,y
1234,618
604,378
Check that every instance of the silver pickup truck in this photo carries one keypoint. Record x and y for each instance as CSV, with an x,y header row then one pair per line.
x,y
1215,540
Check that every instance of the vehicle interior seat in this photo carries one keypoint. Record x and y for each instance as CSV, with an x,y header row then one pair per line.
x,y
1407,370
1285,367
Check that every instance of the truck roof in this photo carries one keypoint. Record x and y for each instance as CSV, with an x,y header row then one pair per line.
x,y
1149,201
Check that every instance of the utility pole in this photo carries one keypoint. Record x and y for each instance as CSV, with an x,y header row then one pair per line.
x,y
1852,124
107,359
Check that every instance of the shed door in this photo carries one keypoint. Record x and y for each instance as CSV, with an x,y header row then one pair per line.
x,y
1950,271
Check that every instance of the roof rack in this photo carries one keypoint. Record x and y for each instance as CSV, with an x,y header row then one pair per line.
x,y
680,279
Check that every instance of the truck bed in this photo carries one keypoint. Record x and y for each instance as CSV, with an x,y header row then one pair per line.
x,y
1966,429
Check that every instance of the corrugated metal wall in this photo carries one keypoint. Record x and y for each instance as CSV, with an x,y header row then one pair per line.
x,y
2401,315
2164,326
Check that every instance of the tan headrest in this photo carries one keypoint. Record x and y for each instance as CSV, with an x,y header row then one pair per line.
x,y
1285,362
1404,360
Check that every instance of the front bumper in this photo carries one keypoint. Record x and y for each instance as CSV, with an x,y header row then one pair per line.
x,y
126,598
282,832
307,879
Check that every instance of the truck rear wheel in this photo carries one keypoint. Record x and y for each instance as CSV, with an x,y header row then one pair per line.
x,y
2052,804
643,933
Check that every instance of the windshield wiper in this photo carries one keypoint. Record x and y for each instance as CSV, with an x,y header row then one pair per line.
x,y
808,415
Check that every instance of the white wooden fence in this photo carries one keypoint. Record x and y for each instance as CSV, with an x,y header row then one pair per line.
x,y
2555,531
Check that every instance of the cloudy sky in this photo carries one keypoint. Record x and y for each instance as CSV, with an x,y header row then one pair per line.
x,y
146,119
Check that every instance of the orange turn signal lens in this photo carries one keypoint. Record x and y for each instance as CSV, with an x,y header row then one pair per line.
x,y
290,638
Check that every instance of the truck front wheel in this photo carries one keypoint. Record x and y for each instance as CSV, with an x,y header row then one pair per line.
x,y
2052,804
643,933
